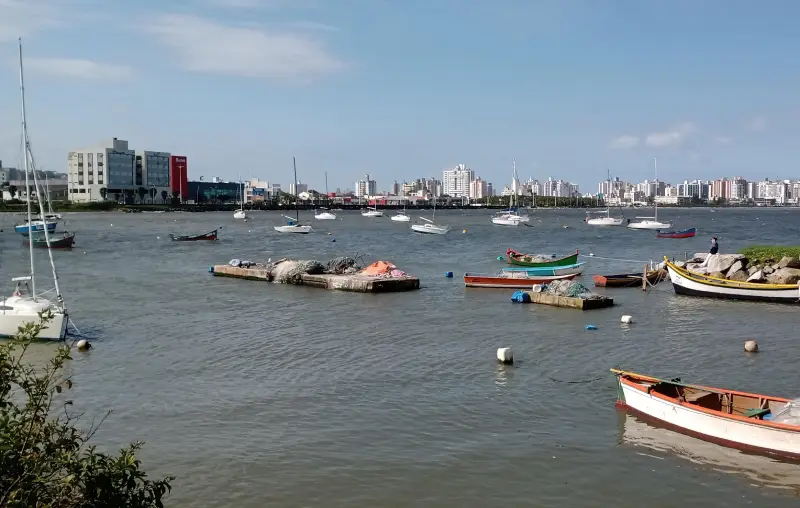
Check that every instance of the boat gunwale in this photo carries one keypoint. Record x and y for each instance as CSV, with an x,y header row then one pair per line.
x,y
704,280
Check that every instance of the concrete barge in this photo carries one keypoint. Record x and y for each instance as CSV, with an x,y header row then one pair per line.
x,y
354,282
570,302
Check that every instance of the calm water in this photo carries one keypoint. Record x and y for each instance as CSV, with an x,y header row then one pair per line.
x,y
266,395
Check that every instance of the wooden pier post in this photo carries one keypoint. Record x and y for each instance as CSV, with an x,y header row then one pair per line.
x,y
644,278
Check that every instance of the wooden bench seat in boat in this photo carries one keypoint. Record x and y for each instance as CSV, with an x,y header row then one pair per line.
x,y
756,412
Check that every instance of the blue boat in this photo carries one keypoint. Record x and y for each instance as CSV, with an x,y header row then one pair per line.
x,y
547,270
36,226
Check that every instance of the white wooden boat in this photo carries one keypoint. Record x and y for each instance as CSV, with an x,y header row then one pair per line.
x,y
651,223
746,421
690,283
576,269
25,305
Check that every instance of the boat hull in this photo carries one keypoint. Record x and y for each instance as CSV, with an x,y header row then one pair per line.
x,y
303,230
401,218
479,280
575,269
56,329
372,214
605,221
749,434
519,259
626,280
325,216
36,227
502,221
693,284
211,236
686,233
239,214
430,229
650,225
64,242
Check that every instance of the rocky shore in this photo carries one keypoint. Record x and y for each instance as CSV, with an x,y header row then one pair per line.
x,y
737,267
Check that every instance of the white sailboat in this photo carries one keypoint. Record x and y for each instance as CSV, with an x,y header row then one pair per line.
x,y
240,213
402,216
511,217
429,226
651,223
25,304
608,220
325,215
372,211
293,223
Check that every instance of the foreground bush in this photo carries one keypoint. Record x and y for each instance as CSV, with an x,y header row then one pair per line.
x,y
761,254
45,459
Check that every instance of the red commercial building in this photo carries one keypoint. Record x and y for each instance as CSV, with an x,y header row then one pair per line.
x,y
178,179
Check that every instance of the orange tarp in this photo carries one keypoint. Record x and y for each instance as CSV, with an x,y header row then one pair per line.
x,y
378,268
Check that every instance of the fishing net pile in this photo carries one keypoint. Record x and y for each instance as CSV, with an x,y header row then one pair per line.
x,y
287,271
570,289
342,266
538,258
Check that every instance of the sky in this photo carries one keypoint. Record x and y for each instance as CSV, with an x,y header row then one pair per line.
x,y
402,89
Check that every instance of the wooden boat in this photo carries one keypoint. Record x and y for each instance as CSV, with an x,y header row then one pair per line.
x,y
516,281
577,268
211,235
746,421
520,259
686,233
690,283
627,280
65,241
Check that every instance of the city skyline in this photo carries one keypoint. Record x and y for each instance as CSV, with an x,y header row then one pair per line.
x,y
253,83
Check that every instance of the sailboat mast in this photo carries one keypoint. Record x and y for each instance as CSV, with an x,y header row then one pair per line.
x,y
27,169
42,215
296,197
655,201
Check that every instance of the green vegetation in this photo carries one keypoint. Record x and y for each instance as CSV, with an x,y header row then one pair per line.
x,y
769,253
45,459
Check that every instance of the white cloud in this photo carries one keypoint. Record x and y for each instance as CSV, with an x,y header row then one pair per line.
x,y
19,18
205,46
672,137
722,139
623,142
78,68
756,124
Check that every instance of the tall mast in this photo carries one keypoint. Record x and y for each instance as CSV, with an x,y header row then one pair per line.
x,y
27,169
655,201
296,194
42,215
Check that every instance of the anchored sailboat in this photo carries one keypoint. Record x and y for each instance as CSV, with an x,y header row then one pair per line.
x,y
293,223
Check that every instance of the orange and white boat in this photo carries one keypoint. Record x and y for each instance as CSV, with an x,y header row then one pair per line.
x,y
746,421
513,280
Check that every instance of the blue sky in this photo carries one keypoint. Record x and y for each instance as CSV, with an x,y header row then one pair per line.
x,y
402,89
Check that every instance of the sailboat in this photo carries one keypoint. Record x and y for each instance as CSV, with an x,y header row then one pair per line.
x,y
646,222
372,211
429,226
50,214
293,223
240,213
510,217
604,217
402,216
325,215
25,304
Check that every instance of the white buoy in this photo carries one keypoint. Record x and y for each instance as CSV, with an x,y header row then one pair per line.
x,y
751,346
627,319
591,254
82,345
158,238
505,355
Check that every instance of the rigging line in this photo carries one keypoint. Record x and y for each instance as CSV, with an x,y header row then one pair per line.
x,y
576,382
615,259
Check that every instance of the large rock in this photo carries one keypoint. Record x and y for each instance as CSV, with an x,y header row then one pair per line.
x,y
699,257
768,270
757,276
753,269
718,275
789,262
738,275
723,262
737,266
784,276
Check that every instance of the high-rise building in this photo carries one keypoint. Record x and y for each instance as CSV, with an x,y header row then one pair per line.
x,y
296,188
179,176
478,189
455,182
366,187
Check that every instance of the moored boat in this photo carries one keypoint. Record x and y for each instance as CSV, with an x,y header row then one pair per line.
x,y
518,280
211,235
626,280
538,260
36,226
685,233
576,269
690,283
65,241
746,421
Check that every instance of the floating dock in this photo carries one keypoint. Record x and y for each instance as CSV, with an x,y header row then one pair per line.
x,y
356,282
569,302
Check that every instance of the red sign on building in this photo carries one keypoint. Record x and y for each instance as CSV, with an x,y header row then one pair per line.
x,y
178,176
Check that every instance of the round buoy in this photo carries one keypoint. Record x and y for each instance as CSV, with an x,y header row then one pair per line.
x,y
333,240
245,220
211,269
627,319
591,254
500,258
82,345
449,275
158,238
505,355
464,231
112,225
751,346
329,233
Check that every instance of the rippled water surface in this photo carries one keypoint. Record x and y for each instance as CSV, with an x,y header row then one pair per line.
x,y
256,394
